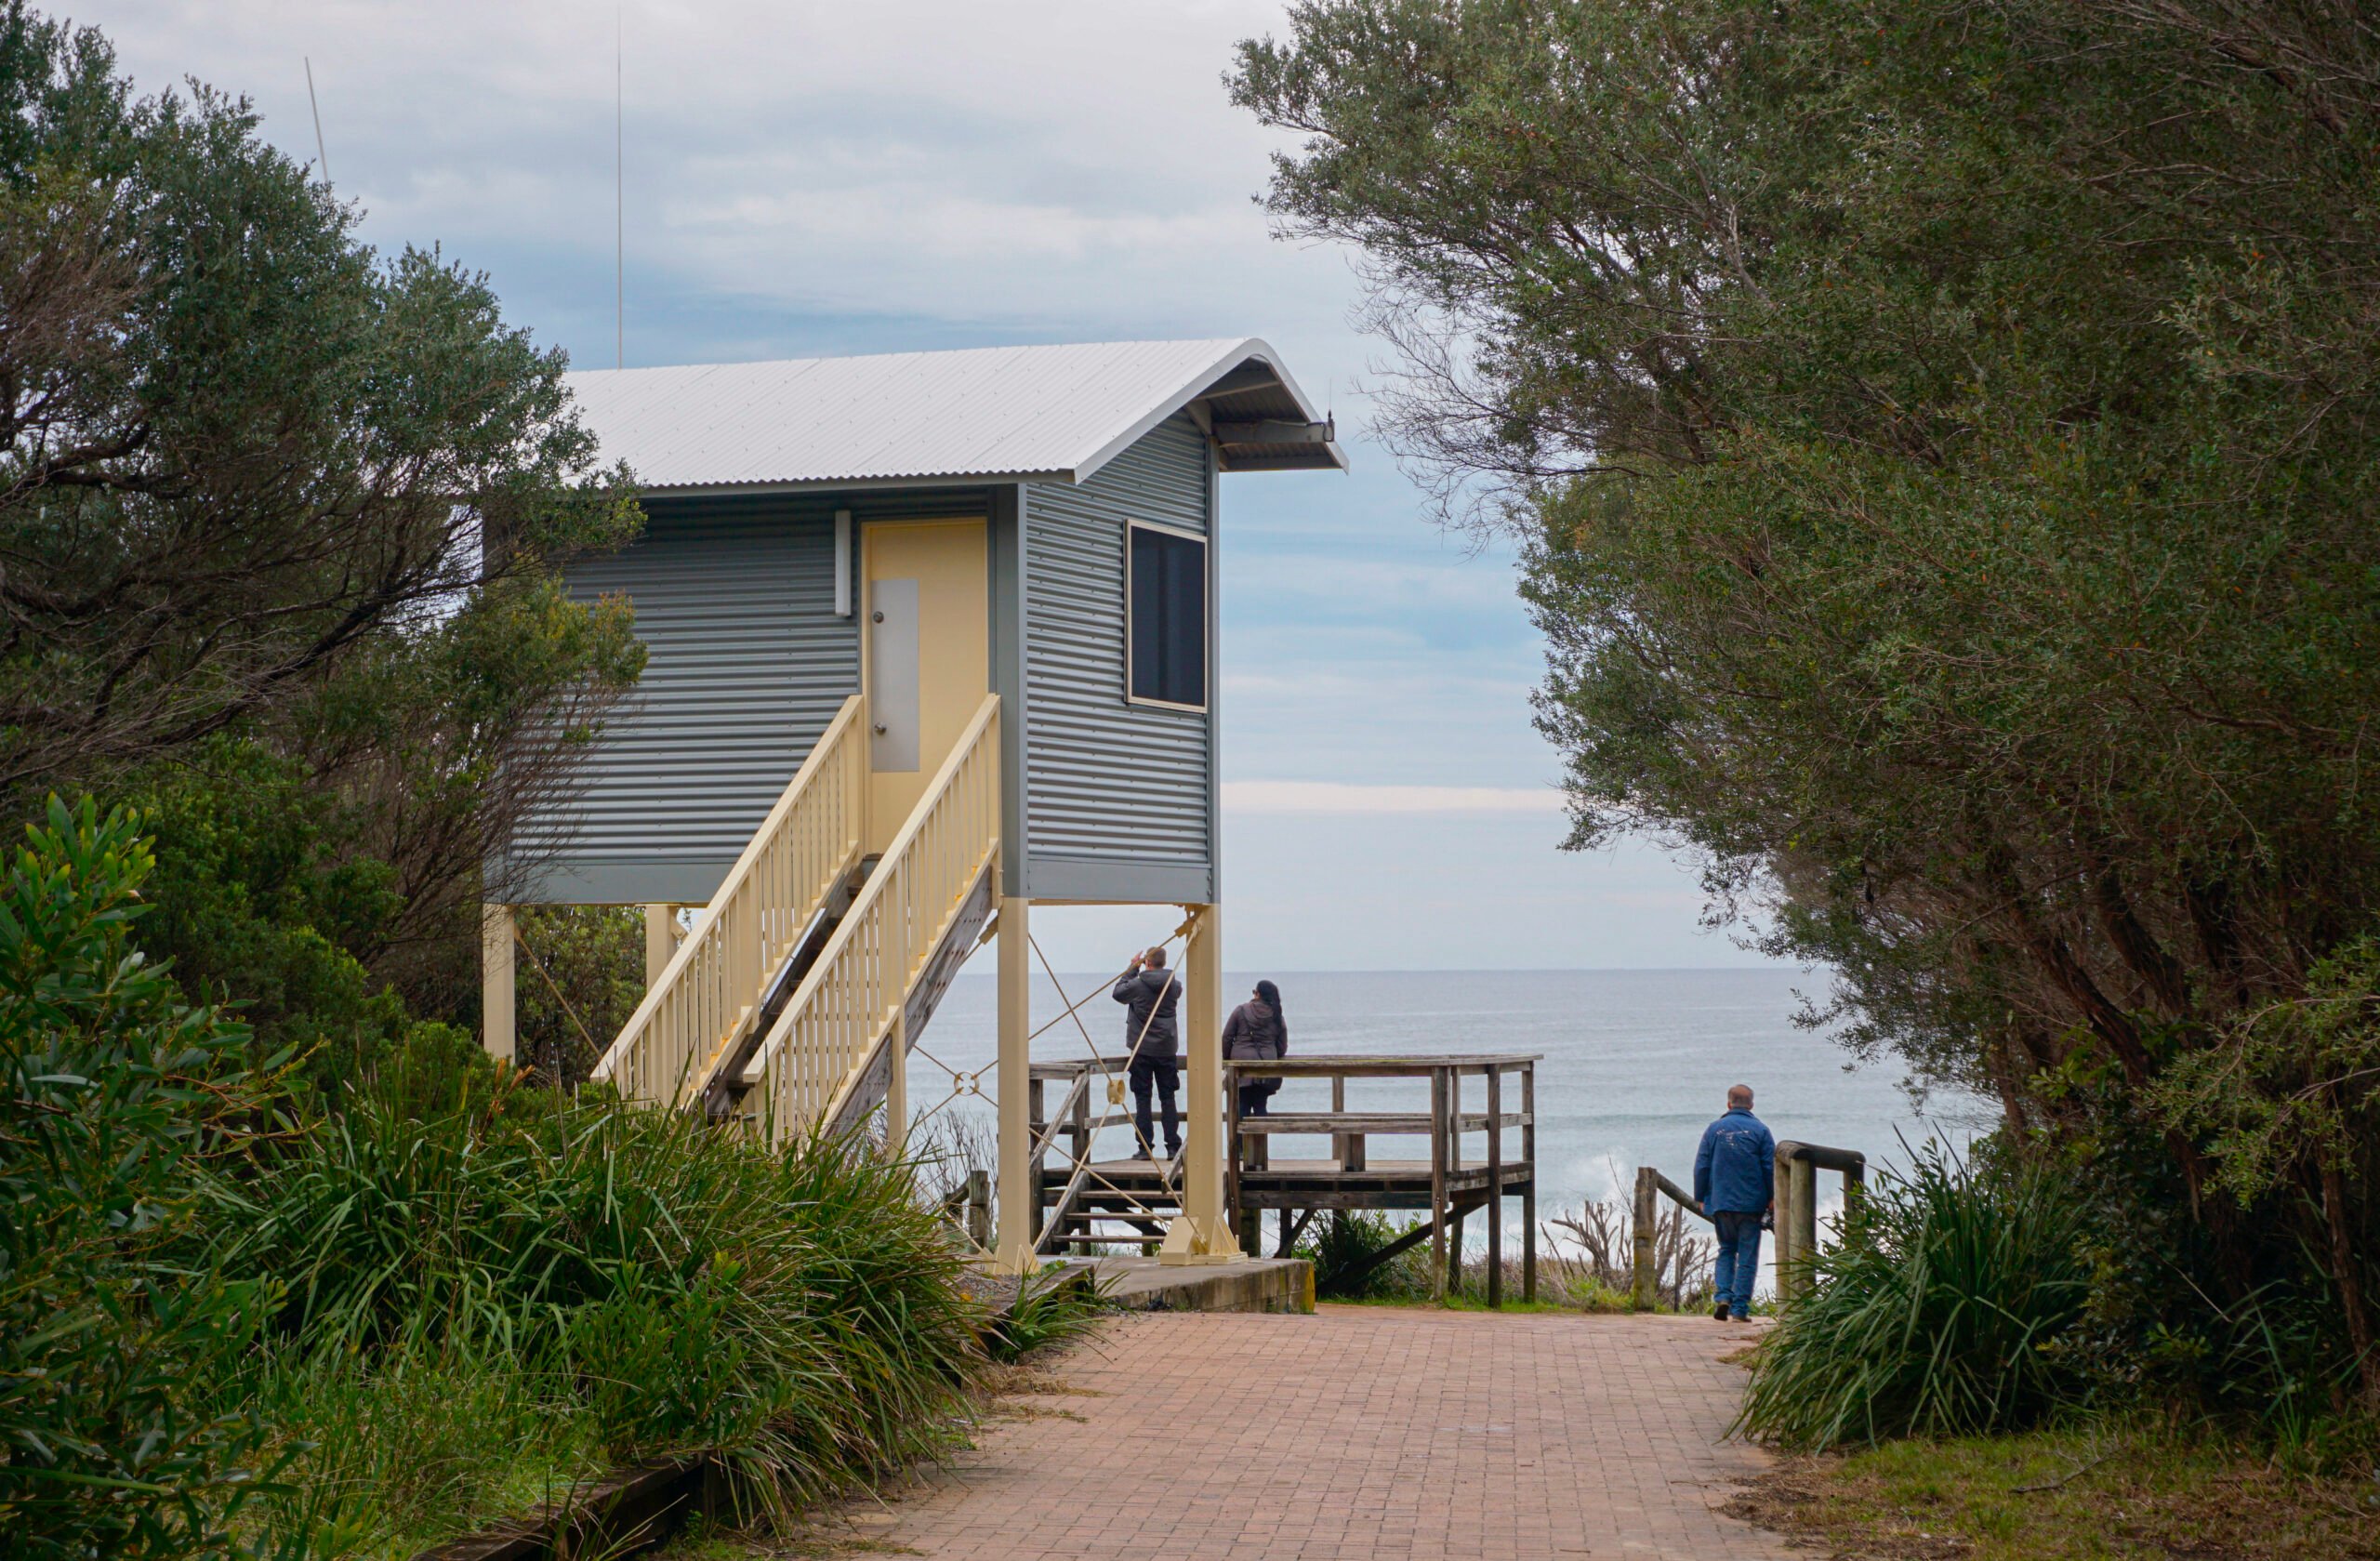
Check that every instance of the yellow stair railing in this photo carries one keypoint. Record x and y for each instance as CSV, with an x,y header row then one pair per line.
x,y
850,1005
693,1017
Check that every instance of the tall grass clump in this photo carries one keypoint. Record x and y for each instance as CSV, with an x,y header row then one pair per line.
x,y
660,1285
1936,1313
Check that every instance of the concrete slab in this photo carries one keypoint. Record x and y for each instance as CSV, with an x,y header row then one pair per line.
x,y
1139,1284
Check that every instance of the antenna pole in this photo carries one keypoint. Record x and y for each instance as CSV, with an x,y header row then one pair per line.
x,y
620,186
322,158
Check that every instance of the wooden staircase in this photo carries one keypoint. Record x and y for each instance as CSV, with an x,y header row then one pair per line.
x,y
814,969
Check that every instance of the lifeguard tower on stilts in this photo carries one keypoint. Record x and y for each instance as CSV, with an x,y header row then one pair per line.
x,y
931,638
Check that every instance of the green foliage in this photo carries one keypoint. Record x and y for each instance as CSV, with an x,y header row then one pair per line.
x,y
1348,1238
1938,1315
1050,1309
438,1435
244,449
1940,439
662,1366
2285,1088
283,519
258,901
680,1287
224,1331
115,1096
581,976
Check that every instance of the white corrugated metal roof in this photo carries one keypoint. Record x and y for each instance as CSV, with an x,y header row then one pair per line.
x,y
1047,413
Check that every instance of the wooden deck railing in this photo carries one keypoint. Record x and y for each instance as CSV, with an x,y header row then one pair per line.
x,y
695,1012
852,999
1797,1213
1455,1189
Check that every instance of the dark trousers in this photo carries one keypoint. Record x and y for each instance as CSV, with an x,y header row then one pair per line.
x,y
1165,1076
1739,1259
1253,1096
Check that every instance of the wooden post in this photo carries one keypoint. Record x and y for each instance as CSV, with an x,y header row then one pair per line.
x,y
1340,1149
1202,1233
1806,1223
498,1031
1437,1184
1783,1194
1245,1151
1643,1218
1529,1188
1454,1162
1495,1188
1014,1252
979,1208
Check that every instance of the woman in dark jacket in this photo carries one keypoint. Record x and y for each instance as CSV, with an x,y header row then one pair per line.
x,y
1256,1032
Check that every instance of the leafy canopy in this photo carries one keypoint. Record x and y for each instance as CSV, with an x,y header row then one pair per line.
x,y
1941,436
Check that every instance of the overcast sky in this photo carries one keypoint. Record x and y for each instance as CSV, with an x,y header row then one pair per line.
x,y
804,178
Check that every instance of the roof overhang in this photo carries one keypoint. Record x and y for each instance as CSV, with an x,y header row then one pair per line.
x,y
1246,389
959,419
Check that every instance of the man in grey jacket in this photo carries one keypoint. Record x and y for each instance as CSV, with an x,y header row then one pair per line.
x,y
1154,1046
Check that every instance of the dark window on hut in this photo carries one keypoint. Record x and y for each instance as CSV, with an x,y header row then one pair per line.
x,y
1166,602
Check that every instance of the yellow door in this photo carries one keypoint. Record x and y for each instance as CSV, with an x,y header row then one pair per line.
x,y
926,656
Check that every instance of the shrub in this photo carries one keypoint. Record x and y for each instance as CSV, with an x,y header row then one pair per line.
x,y
1936,1313
111,1093
1351,1238
1050,1309
797,1310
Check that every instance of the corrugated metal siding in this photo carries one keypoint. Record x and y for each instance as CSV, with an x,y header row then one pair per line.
x,y
1107,781
745,665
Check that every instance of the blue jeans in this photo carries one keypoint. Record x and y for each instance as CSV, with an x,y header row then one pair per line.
x,y
1738,1262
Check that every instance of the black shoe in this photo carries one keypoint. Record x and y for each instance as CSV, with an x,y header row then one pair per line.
x,y
1138,1155
1720,1312
1174,1153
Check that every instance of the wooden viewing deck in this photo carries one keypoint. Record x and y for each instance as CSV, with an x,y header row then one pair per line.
x,y
1087,1203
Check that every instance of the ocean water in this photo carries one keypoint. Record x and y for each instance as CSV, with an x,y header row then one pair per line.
x,y
1634,1063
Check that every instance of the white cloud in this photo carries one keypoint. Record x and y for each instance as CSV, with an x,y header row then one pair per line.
x,y
1339,797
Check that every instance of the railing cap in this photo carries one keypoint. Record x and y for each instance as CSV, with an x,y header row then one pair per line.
x,y
1821,1156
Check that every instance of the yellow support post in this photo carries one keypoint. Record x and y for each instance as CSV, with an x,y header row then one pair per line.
x,y
497,1029
660,941
1202,1234
1013,1246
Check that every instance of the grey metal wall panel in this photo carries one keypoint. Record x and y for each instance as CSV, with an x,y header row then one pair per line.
x,y
1109,785
747,663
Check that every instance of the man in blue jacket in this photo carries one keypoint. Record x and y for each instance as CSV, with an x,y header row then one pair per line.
x,y
1734,1181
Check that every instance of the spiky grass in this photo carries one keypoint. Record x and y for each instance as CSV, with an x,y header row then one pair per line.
x,y
613,1282
1933,1316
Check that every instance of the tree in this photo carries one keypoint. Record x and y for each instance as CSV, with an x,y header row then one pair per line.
x,y
280,522
1940,435
241,450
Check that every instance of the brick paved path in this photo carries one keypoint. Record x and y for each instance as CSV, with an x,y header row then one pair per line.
x,y
1359,1433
